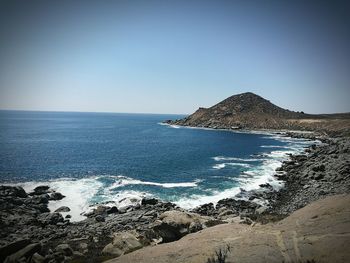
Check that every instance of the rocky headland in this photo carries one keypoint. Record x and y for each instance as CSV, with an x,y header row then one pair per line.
x,y
306,220
248,111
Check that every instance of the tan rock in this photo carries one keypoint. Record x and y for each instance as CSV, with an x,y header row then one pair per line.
x,y
122,243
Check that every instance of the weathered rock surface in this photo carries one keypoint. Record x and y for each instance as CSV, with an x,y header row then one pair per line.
x,y
319,232
122,243
173,225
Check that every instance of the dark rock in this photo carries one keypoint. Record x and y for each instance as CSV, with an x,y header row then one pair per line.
x,y
112,210
56,196
16,191
99,218
149,201
206,209
12,248
62,209
267,185
65,249
50,218
37,258
40,199
319,168
237,205
42,189
24,254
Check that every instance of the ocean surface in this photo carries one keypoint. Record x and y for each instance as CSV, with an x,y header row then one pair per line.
x,y
101,157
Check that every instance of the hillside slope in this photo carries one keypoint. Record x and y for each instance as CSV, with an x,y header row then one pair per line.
x,y
250,111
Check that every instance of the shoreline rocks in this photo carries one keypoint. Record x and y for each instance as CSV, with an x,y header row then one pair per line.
x,y
29,231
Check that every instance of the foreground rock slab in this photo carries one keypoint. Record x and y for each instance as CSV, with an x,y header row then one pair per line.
x,y
320,232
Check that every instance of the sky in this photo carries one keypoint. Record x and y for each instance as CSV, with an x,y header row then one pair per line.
x,y
173,56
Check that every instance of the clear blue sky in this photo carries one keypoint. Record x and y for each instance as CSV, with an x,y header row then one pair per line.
x,y
173,56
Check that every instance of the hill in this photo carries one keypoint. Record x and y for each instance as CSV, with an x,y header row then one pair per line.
x,y
250,111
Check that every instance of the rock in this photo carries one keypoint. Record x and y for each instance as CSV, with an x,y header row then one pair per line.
x,y
122,243
56,196
65,249
238,206
112,210
62,209
267,185
246,221
12,248
111,250
68,216
99,218
16,191
123,210
206,209
24,253
37,258
149,201
226,212
100,210
175,224
318,176
319,168
261,210
50,218
40,199
39,190
78,255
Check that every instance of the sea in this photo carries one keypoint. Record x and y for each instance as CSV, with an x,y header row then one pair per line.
x,y
118,159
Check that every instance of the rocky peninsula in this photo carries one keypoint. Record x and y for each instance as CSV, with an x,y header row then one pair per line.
x,y
313,207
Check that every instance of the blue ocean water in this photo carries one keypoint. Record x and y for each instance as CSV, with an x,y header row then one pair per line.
x,y
99,157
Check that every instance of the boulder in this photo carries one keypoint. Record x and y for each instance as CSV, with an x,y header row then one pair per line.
x,y
122,243
56,196
50,218
239,206
176,224
24,254
37,258
149,201
112,210
62,209
65,249
39,190
40,199
206,209
99,218
12,248
16,191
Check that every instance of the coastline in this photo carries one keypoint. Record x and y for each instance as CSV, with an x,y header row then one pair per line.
x,y
88,240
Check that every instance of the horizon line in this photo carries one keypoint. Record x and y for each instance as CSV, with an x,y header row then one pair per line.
x,y
108,112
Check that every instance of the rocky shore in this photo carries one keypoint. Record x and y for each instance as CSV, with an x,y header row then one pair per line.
x,y
29,232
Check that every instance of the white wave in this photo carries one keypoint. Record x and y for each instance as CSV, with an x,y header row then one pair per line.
x,y
197,200
223,165
169,125
223,158
275,146
78,192
254,177
219,166
123,181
